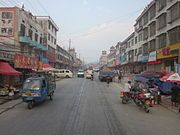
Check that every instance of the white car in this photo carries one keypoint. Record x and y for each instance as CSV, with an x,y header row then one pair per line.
x,y
80,73
63,73
89,74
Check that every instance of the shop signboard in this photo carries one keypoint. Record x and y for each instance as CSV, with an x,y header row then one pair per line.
x,y
6,56
168,52
145,57
21,61
152,56
123,59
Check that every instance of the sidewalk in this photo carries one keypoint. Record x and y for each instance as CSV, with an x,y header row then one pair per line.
x,y
165,100
9,105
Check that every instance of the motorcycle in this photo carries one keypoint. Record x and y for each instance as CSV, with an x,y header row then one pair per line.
x,y
92,77
142,99
126,97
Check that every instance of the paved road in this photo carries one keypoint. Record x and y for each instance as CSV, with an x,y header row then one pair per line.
x,y
85,107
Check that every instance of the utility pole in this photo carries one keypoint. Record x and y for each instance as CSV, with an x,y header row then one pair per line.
x,y
69,44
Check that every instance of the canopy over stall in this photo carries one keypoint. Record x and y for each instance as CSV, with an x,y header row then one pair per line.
x,y
6,69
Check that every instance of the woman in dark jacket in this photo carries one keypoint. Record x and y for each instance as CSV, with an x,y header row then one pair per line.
x,y
175,95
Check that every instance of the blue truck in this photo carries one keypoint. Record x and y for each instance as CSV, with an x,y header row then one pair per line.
x,y
106,73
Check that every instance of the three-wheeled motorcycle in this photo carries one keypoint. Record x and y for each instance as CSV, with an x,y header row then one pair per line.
x,y
36,89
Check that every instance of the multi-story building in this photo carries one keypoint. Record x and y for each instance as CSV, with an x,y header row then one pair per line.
x,y
63,58
103,59
111,57
50,32
118,54
21,33
159,24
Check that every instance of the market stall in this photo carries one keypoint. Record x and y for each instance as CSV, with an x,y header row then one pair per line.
x,y
8,71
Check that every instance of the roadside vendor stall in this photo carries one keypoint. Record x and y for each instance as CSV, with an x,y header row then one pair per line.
x,y
7,71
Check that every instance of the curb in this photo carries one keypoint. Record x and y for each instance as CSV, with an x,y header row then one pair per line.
x,y
10,107
169,108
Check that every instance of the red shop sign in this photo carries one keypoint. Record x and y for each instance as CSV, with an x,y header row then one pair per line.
x,y
166,51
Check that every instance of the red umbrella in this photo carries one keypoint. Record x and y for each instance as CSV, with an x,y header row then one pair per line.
x,y
172,77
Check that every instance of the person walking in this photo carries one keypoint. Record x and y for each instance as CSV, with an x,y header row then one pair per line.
x,y
175,95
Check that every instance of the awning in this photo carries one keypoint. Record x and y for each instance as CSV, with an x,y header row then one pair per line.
x,y
47,66
6,69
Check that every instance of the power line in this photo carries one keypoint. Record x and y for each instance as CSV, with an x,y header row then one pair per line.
x,y
31,5
43,7
12,1
4,3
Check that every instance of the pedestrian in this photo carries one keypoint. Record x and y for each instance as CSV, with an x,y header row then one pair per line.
x,y
119,78
175,93
108,80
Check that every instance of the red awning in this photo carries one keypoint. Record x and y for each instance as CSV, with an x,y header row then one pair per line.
x,y
47,66
6,69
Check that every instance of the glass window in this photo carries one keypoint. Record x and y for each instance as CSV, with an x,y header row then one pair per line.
x,y
67,71
32,85
174,35
7,15
22,30
61,71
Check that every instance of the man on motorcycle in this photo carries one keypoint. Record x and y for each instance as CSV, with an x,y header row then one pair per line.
x,y
127,86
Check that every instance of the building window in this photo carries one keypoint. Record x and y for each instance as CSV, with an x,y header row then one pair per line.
x,y
136,40
162,21
145,19
162,40
152,45
161,4
174,35
145,48
145,33
152,30
140,37
52,39
140,50
55,41
30,33
174,12
152,12
49,37
132,42
40,40
136,52
22,30
7,15
36,37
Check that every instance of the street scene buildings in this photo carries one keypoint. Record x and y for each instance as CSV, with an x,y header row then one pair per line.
x,y
28,41
129,87
154,44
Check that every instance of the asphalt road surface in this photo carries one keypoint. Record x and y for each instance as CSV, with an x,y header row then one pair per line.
x,y
85,107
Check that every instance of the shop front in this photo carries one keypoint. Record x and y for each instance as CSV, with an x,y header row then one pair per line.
x,y
169,57
153,64
26,65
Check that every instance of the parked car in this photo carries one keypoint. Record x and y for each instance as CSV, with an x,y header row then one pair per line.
x,y
63,73
80,73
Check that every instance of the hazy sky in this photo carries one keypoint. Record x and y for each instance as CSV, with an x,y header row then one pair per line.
x,y
92,25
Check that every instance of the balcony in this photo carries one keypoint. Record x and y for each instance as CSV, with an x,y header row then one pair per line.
x,y
24,39
32,43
